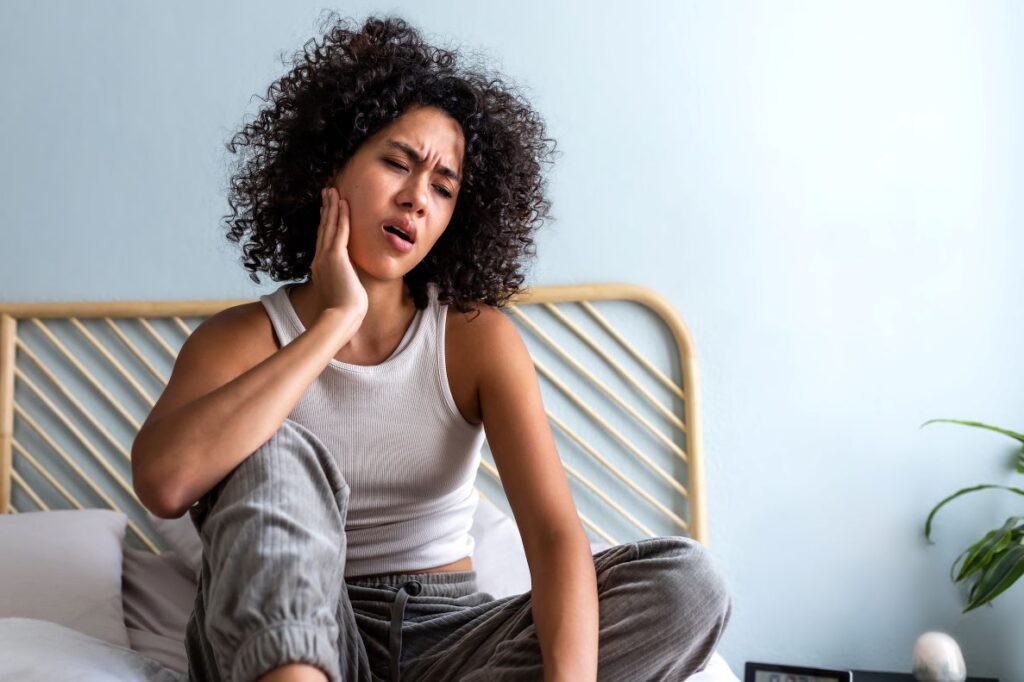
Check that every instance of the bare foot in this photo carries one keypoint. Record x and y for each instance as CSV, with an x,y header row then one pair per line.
x,y
295,672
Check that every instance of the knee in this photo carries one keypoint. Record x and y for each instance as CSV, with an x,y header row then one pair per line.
x,y
307,460
295,439
691,604
289,483
687,579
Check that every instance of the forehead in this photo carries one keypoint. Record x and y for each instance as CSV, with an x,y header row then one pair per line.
x,y
435,135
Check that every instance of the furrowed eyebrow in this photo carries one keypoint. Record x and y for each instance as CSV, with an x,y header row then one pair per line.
x,y
415,156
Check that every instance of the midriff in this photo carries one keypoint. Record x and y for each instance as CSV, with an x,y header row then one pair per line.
x,y
463,564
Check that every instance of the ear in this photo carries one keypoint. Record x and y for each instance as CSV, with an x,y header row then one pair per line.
x,y
339,171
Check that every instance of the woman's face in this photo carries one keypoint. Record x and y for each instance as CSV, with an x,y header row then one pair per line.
x,y
409,171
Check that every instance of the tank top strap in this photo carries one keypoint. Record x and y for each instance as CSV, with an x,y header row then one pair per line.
x,y
278,309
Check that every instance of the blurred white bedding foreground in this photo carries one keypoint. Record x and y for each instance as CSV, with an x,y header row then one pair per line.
x,y
38,651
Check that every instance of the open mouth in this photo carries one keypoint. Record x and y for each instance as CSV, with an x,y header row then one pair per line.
x,y
396,231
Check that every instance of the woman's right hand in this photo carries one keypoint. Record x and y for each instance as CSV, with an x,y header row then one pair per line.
x,y
333,279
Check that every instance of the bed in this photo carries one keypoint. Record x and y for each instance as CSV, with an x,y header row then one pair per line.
x,y
92,583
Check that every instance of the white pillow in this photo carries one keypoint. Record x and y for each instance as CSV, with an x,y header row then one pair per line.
x,y
181,538
65,567
158,594
499,558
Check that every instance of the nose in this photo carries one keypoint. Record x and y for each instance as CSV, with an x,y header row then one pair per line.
x,y
415,193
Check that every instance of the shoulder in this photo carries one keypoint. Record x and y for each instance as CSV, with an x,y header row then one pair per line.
x,y
224,346
485,326
238,334
485,340
236,320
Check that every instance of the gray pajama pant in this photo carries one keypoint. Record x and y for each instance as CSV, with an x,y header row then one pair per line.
x,y
271,592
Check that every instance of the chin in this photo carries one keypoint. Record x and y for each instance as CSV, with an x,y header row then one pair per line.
x,y
385,268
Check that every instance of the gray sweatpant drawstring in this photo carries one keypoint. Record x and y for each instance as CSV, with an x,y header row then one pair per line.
x,y
412,587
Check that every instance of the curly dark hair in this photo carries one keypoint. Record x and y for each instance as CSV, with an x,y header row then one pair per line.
x,y
344,89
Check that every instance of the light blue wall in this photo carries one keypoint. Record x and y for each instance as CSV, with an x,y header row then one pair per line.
x,y
829,192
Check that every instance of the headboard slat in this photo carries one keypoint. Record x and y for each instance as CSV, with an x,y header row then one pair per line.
x,y
90,377
631,349
139,355
668,513
16,477
30,458
125,374
82,409
617,366
600,385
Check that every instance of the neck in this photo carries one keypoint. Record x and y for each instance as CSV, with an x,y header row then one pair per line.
x,y
390,307
389,312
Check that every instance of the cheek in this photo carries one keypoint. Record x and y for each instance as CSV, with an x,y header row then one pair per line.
x,y
362,217
360,238
428,247
433,244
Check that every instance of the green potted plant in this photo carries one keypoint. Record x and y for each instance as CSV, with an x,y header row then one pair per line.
x,y
995,561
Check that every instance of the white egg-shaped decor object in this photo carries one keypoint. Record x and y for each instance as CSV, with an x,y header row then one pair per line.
x,y
937,658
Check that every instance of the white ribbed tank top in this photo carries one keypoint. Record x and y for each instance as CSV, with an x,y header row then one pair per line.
x,y
408,455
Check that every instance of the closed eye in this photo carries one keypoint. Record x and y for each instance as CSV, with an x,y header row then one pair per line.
x,y
440,188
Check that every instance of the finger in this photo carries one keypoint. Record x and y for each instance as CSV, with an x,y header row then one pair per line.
x,y
331,218
320,227
341,240
332,238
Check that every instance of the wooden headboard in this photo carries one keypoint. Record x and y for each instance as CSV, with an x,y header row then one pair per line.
x,y
616,363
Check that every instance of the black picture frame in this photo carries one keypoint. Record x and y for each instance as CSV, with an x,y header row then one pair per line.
x,y
752,668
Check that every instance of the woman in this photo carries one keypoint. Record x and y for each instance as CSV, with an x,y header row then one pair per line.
x,y
325,440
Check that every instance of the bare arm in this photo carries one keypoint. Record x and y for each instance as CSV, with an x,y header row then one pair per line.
x,y
562,573
217,408
182,452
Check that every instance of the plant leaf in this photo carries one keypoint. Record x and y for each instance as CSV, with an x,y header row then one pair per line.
x,y
981,552
971,565
1007,568
958,493
1020,461
952,567
965,422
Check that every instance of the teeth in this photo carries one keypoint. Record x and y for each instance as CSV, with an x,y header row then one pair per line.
x,y
394,230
